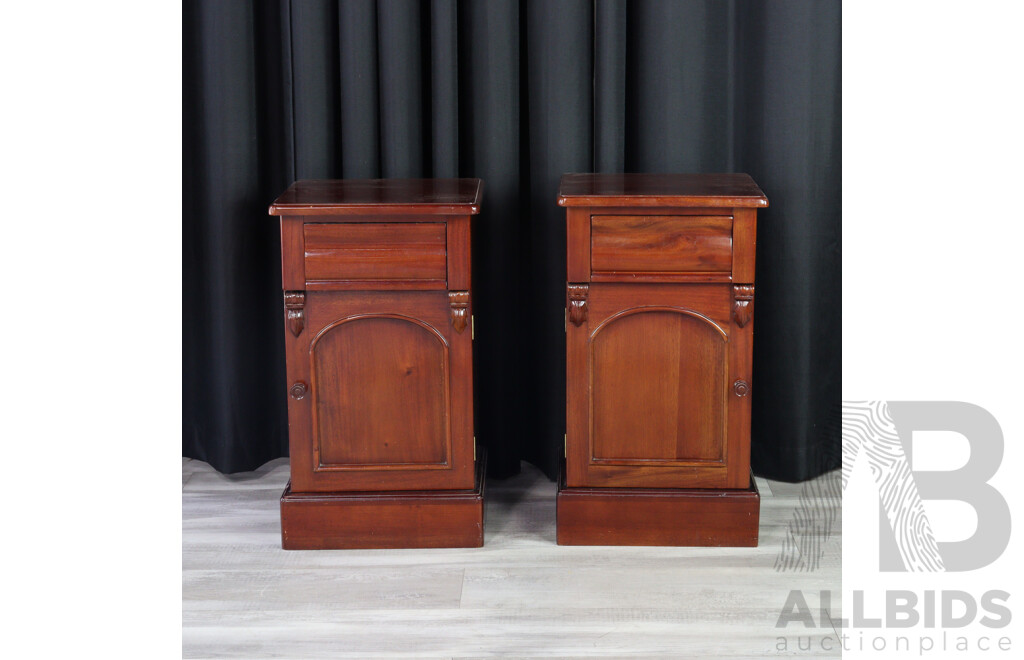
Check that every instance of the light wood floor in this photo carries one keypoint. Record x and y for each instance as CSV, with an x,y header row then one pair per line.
x,y
518,596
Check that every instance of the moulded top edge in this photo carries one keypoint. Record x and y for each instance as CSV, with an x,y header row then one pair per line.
x,y
368,196
707,190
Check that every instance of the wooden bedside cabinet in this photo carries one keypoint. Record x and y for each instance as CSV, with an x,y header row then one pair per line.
x,y
659,328
379,349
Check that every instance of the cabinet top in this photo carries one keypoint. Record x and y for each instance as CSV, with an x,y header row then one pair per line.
x,y
729,190
369,196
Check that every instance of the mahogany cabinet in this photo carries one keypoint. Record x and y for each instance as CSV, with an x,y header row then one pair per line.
x,y
659,328
378,330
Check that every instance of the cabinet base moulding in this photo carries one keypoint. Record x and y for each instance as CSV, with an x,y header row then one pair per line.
x,y
658,516
391,519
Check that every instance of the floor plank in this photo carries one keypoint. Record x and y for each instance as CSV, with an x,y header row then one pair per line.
x,y
518,596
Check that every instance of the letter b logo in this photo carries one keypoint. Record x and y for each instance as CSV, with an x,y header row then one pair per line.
x,y
883,431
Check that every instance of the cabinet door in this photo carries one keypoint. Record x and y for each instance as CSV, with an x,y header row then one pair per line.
x,y
380,393
653,392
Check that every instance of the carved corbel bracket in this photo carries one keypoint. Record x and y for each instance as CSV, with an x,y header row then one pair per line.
x,y
578,303
295,313
743,295
459,301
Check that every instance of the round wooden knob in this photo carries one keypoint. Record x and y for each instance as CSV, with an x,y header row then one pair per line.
x,y
298,390
741,388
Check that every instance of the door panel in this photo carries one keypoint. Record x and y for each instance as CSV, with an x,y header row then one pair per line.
x,y
389,405
381,389
658,389
650,401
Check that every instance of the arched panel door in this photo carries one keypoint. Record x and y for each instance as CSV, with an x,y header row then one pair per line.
x,y
389,400
658,389
651,399
380,388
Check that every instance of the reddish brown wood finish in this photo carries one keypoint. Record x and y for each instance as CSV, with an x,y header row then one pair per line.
x,y
658,390
293,262
362,368
459,274
372,198
660,243
577,308
295,311
577,226
380,370
744,237
396,519
377,364
660,300
658,516
459,301
660,190
632,338
375,251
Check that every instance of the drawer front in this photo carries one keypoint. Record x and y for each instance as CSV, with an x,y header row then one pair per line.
x,y
353,252
652,244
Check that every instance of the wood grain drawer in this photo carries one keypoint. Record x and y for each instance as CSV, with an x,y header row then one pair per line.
x,y
654,244
339,253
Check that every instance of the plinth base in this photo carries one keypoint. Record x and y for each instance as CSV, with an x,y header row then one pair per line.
x,y
657,516
391,519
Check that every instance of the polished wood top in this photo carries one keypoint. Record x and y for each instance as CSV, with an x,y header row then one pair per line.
x,y
361,196
719,190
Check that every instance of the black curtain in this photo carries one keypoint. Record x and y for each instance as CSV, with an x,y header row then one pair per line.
x,y
515,93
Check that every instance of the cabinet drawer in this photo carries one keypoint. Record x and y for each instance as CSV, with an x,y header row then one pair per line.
x,y
653,244
367,252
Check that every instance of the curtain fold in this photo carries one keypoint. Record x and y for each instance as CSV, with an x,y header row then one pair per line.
x,y
359,116
489,87
791,143
516,93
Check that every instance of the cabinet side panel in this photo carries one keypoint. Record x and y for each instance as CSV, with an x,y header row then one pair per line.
x,y
744,245
297,370
740,395
577,226
293,274
458,228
